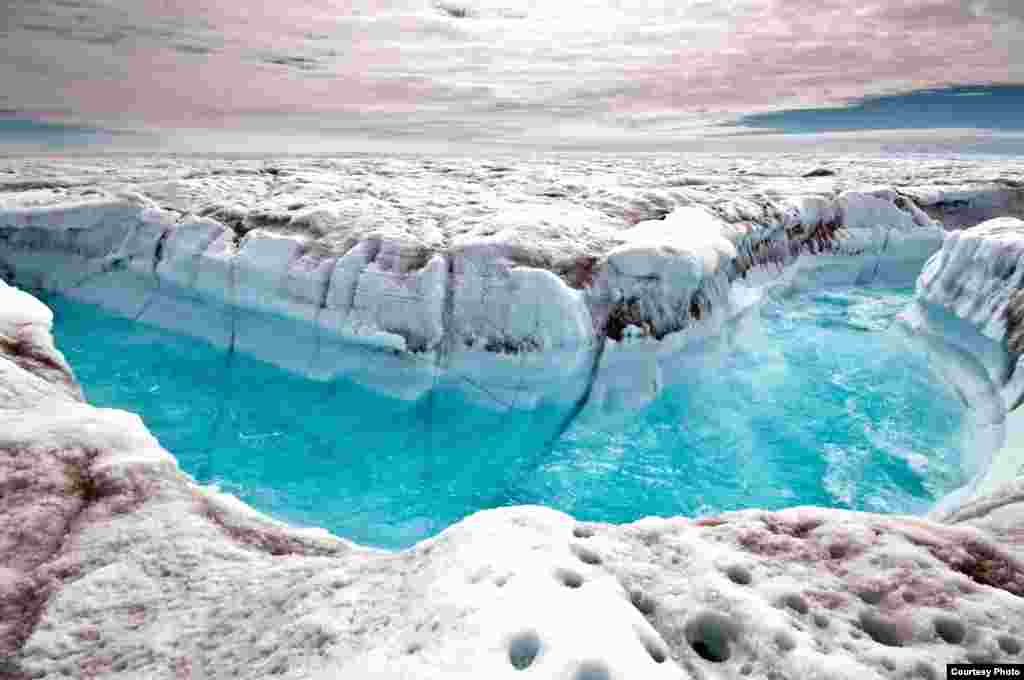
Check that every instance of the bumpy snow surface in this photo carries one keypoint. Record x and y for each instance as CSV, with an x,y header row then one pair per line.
x,y
113,563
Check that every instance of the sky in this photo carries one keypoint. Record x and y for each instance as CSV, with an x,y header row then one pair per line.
x,y
429,75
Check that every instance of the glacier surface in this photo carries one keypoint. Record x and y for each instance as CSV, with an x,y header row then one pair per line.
x,y
567,279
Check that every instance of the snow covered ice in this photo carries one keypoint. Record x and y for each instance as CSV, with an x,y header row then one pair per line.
x,y
574,281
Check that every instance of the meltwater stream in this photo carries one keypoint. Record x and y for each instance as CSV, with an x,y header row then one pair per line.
x,y
818,404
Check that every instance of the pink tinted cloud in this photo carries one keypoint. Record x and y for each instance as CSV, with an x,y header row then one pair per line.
x,y
281,16
774,53
163,89
826,49
162,86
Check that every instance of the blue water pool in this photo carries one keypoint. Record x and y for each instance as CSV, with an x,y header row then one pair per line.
x,y
819,403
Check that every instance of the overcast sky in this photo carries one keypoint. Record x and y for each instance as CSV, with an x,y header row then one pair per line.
x,y
362,74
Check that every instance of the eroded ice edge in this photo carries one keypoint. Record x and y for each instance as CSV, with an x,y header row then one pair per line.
x,y
579,282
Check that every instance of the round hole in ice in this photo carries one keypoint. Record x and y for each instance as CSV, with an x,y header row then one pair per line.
x,y
711,635
523,649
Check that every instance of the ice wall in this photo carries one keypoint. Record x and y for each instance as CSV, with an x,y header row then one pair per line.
x,y
967,314
538,296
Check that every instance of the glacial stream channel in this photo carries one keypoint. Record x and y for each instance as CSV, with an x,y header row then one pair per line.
x,y
818,402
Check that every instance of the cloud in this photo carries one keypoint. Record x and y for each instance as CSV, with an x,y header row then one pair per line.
x,y
294,61
1010,9
494,66
453,10
97,35
189,48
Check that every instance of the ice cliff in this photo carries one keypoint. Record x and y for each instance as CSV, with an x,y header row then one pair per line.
x,y
967,315
115,564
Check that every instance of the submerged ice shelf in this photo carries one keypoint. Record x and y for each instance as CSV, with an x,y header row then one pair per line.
x,y
817,402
